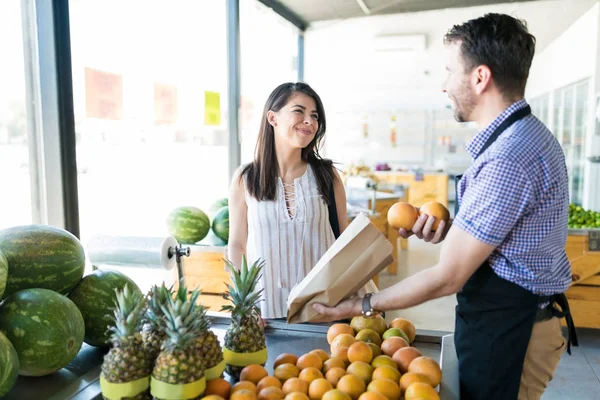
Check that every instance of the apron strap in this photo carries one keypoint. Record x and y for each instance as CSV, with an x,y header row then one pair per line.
x,y
563,312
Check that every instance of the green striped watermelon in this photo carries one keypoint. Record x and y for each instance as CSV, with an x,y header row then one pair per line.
x,y
220,224
188,224
9,365
3,273
95,297
45,327
217,205
41,256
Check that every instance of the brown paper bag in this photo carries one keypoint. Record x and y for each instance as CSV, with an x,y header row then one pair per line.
x,y
359,254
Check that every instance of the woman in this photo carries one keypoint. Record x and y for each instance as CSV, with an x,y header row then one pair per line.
x,y
278,204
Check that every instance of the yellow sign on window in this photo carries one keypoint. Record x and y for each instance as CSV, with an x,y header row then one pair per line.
x,y
212,108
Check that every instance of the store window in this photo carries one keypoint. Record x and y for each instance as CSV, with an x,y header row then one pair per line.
x,y
150,97
269,57
15,166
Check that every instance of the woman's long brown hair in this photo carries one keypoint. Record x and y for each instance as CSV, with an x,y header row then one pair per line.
x,y
261,174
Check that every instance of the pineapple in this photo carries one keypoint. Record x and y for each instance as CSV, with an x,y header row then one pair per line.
x,y
246,333
127,361
207,344
178,363
153,333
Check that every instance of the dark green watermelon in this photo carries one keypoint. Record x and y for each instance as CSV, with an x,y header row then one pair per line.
x,y
9,365
95,297
220,224
217,205
188,224
45,328
41,256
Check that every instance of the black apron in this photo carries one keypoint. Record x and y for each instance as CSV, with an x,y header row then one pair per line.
x,y
494,320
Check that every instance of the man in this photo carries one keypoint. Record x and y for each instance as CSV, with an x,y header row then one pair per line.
x,y
504,252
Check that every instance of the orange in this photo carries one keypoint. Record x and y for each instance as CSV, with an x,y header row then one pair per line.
x,y
402,215
343,340
360,351
435,209
383,360
334,375
295,385
352,385
244,385
391,345
321,353
268,381
218,386
253,373
318,388
372,396
271,393
309,360
406,326
243,394
332,363
285,358
369,336
428,367
411,377
212,397
421,391
376,349
361,369
386,387
296,396
385,372
376,323
404,356
284,372
337,329
336,394
341,353
310,374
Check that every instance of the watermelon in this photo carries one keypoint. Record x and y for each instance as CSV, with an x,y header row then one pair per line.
x,y
41,256
45,327
188,224
95,297
9,365
3,273
220,224
217,205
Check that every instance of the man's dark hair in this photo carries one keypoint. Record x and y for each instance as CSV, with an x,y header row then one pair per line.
x,y
500,42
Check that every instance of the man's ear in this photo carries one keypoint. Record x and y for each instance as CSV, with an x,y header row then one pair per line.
x,y
481,78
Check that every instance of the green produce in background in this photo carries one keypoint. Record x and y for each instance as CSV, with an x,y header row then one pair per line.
x,y
188,224
3,273
580,218
217,205
45,327
41,256
95,297
220,224
9,365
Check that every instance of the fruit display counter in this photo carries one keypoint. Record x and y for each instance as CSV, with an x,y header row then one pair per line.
x,y
80,380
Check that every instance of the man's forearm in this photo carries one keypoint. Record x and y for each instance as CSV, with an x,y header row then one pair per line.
x,y
426,285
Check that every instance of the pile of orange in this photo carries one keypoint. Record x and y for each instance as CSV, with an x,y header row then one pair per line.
x,y
367,360
404,215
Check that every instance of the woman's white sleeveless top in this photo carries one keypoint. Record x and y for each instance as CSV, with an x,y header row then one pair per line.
x,y
292,244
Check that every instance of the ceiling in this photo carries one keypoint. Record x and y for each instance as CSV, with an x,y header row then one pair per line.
x,y
320,10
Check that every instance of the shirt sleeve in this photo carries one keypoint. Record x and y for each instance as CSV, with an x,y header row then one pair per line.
x,y
494,200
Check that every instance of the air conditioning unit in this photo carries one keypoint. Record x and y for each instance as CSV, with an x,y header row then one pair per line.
x,y
410,43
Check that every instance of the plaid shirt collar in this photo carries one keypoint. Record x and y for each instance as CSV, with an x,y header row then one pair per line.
x,y
476,144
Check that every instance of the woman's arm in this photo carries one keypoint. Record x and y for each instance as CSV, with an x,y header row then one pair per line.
x,y
340,200
238,220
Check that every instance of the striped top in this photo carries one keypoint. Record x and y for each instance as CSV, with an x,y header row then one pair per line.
x,y
290,241
515,196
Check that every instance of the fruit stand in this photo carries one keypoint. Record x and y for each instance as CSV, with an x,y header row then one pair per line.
x,y
80,379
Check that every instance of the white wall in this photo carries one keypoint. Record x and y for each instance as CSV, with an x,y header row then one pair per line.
x,y
356,82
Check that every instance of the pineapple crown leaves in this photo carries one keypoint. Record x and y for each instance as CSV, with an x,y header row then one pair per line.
x,y
130,307
157,297
182,320
243,293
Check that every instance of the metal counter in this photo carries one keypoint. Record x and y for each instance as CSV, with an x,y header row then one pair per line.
x,y
80,379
